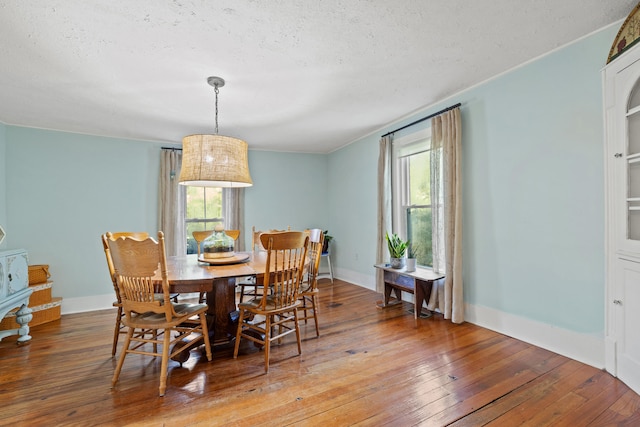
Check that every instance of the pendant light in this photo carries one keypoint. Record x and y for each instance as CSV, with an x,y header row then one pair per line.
x,y
215,160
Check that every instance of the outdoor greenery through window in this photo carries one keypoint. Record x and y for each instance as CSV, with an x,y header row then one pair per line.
x,y
412,208
203,212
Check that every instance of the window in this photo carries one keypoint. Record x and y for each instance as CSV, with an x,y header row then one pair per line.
x,y
203,212
412,204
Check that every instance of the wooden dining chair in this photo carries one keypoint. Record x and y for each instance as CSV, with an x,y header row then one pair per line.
x,y
135,263
248,286
275,315
119,327
199,237
309,290
256,244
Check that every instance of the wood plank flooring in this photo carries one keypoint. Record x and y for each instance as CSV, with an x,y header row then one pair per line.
x,y
370,367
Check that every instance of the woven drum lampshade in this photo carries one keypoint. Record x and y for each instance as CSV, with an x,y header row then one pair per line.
x,y
215,161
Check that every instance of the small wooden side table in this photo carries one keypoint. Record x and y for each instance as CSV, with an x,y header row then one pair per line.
x,y
418,282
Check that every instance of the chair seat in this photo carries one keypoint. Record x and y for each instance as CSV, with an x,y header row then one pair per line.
x,y
157,297
255,305
150,319
308,290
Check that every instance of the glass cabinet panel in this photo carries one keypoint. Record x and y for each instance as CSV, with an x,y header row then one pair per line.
x,y
633,121
634,99
633,164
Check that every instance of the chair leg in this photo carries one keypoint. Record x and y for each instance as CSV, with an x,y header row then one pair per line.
x,y
238,333
205,335
165,361
125,350
116,332
304,309
267,342
241,293
314,305
154,333
295,319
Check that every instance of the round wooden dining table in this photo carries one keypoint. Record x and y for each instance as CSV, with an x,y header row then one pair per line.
x,y
186,274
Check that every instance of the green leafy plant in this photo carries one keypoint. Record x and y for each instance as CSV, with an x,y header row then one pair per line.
x,y
397,246
413,250
327,239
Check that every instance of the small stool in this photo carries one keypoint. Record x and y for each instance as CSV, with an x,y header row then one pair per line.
x,y
330,274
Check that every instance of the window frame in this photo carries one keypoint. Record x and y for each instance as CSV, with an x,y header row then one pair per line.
x,y
400,188
205,221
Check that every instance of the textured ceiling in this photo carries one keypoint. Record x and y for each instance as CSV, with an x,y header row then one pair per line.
x,y
308,76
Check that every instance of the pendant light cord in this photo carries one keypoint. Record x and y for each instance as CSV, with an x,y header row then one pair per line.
x,y
215,88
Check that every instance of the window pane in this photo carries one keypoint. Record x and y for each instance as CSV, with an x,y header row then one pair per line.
x,y
213,197
419,177
419,234
204,211
195,202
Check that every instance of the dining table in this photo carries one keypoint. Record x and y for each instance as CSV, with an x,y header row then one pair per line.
x,y
217,278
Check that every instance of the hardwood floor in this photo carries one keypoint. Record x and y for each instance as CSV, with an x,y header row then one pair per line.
x,y
370,367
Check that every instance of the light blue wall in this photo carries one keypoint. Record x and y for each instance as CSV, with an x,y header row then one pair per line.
x,y
3,185
534,214
289,189
64,190
532,184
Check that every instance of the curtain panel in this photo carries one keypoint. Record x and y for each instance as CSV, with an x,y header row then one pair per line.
x,y
446,193
172,202
384,205
233,212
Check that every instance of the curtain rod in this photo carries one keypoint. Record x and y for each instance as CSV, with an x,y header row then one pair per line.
x,y
423,119
172,148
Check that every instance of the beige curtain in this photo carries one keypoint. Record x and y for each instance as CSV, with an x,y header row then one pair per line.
x,y
171,203
384,206
446,196
233,212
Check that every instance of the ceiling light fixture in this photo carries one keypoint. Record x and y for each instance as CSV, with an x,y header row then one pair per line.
x,y
215,160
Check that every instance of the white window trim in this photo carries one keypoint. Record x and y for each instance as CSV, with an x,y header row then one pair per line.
x,y
399,220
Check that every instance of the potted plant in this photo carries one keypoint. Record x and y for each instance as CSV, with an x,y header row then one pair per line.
x,y
412,254
397,249
327,239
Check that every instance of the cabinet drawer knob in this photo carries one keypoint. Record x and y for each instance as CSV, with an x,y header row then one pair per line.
x,y
617,302
617,155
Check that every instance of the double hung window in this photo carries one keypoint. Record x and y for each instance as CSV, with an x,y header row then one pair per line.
x,y
411,186
203,212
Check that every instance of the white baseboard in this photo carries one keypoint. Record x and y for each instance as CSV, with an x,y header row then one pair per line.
x,y
363,280
91,303
585,348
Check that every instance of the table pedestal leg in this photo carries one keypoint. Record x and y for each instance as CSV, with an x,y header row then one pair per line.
x,y
222,315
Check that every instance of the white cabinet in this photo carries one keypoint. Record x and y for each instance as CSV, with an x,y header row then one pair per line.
x,y
15,291
622,131
627,319
621,80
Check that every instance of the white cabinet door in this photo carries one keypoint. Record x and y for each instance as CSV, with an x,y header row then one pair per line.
x,y
623,151
626,307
